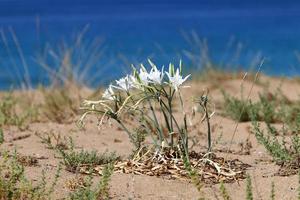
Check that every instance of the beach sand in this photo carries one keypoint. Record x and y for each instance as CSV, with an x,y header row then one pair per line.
x,y
128,186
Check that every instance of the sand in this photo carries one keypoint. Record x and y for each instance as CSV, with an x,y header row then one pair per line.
x,y
129,186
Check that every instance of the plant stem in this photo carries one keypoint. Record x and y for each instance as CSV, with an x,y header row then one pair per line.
x,y
208,124
127,131
156,122
183,134
171,120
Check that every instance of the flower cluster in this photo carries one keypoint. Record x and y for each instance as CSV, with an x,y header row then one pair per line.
x,y
139,94
141,79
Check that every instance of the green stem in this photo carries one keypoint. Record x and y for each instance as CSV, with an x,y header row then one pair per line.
x,y
171,114
183,134
156,122
208,124
151,135
165,116
126,130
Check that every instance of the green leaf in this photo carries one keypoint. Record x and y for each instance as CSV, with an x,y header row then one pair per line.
x,y
1,136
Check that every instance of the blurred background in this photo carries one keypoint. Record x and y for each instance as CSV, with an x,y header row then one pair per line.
x,y
94,41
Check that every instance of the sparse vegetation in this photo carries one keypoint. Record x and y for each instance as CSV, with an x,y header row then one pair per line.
x,y
55,140
101,191
73,160
195,178
239,109
59,106
9,114
284,149
156,115
74,63
270,108
272,196
15,185
280,150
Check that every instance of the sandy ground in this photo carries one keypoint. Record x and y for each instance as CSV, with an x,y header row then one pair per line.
x,y
128,186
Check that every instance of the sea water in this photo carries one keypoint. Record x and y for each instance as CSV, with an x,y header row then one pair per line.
x,y
239,33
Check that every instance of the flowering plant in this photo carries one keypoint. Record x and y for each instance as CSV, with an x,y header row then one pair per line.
x,y
147,97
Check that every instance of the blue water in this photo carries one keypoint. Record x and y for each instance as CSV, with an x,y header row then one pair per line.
x,y
238,33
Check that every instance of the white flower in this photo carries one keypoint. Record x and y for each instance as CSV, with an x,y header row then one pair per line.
x,y
109,93
124,83
176,80
144,76
155,75
140,80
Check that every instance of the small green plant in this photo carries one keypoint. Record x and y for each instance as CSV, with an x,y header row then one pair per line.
x,y
55,141
239,109
282,144
249,192
279,150
267,106
203,102
72,159
272,191
291,116
224,191
139,136
100,192
270,108
1,136
104,182
10,116
15,185
195,178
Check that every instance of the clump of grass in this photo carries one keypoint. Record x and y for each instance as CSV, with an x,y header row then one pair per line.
x,y
201,57
59,106
267,105
239,109
72,159
291,116
100,192
270,108
76,61
10,116
55,141
15,185
215,74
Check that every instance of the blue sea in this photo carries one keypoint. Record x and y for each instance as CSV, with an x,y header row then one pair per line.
x,y
234,34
